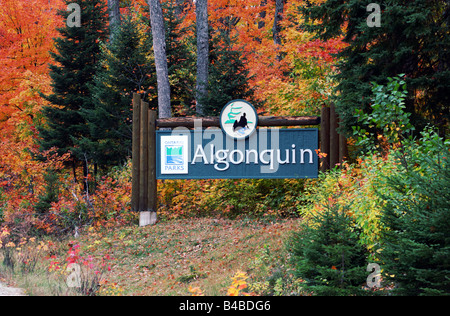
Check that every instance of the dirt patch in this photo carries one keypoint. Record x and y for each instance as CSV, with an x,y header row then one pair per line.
x,y
10,291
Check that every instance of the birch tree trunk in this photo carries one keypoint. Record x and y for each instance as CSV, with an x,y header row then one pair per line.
x,y
159,48
202,52
114,15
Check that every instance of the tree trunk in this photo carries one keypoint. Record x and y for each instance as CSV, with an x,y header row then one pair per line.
x,y
114,16
262,15
85,175
202,52
136,158
74,170
159,48
279,10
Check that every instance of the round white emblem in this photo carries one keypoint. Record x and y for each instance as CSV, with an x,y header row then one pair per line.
x,y
238,119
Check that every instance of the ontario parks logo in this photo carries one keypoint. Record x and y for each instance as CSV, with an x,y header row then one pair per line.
x,y
238,119
174,154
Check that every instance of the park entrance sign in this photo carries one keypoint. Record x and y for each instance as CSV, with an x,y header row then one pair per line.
x,y
236,145
238,150
212,154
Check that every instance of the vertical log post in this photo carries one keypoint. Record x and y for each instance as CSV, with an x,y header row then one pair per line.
x,y
135,159
334,138
325,138
143,175
148,217
343,148
144,189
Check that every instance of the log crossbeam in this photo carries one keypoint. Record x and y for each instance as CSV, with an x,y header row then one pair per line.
x,y
267,121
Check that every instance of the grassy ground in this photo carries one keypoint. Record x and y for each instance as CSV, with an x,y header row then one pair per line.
x,y
170,257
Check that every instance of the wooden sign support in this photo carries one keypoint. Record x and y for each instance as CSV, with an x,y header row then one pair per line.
x,y
145,123
325,138
332,144
143,191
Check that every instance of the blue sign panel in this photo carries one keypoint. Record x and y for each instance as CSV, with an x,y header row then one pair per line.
x,y
211,154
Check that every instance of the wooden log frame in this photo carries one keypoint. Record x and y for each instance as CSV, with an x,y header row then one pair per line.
x,y
149,218
145,124
143,173
334,138
343,148
325,139
333,144
135,158
144,186
267,121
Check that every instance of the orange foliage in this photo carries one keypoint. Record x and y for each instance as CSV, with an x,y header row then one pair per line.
x,y
27,28
277,83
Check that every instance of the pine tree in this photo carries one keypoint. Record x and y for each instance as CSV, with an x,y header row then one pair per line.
x,y
181,61
78,52
51,194
413,39
416,220
228,75
127,66
327,254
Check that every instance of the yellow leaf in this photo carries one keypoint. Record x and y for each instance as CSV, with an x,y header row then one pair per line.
x,y
232,292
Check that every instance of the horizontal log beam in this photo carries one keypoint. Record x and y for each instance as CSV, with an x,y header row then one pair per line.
x,y
288,120
189,122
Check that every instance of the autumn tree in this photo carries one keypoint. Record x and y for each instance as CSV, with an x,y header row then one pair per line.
x,y
25,27
24,58
78,52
